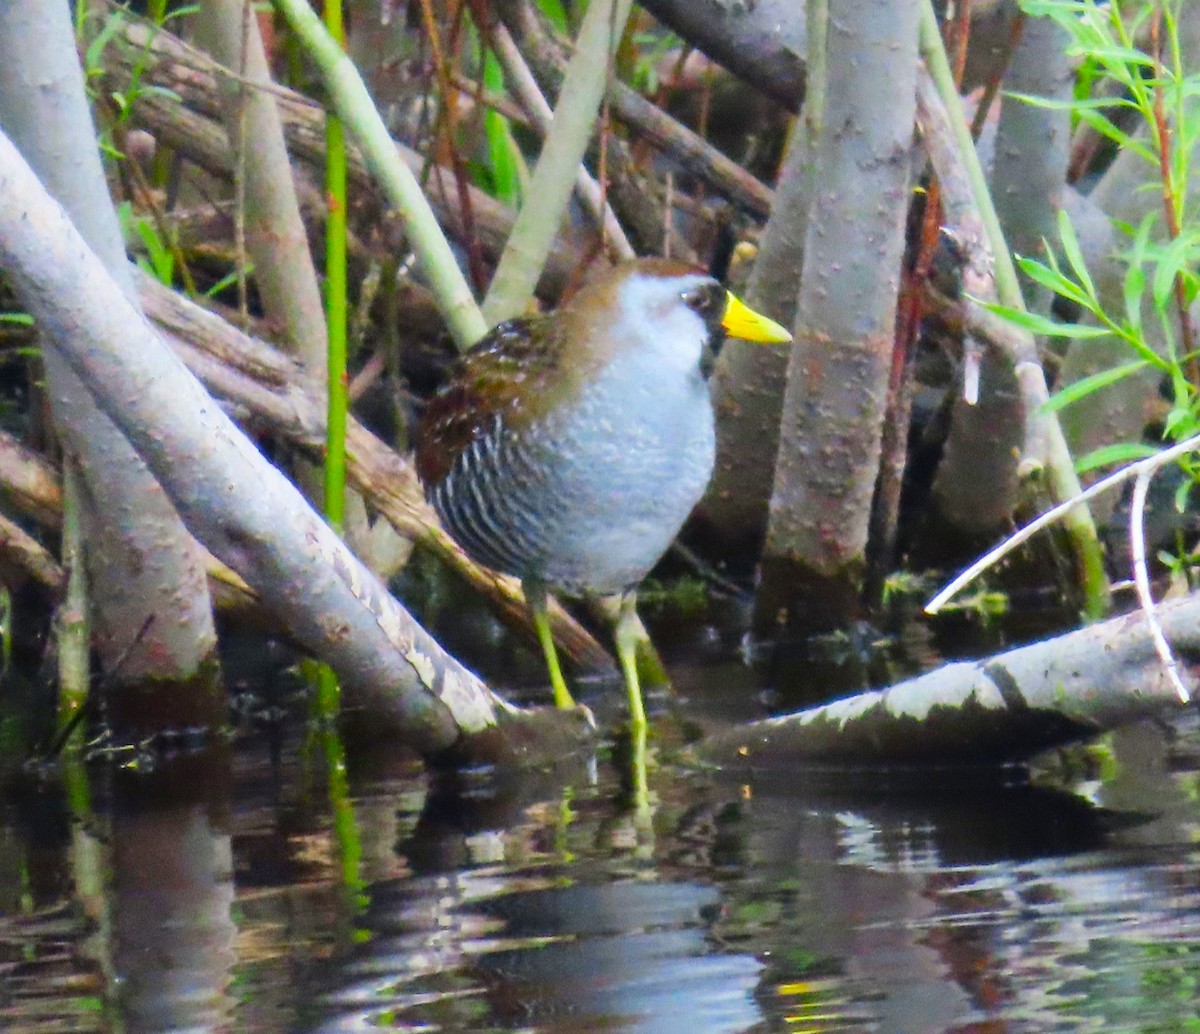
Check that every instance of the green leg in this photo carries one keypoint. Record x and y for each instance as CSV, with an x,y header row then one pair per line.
x,y
535,596
626,635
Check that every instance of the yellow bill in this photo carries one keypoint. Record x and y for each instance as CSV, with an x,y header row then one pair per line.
x,y
743,322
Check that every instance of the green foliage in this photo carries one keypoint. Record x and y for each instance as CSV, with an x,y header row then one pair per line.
x,y
1161,254
900,584
685,595
555,14
985,605
1117,454
505,164
122,101
6,630
652,47
158,259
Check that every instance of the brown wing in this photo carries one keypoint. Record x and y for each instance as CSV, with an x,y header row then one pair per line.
x,y
509,373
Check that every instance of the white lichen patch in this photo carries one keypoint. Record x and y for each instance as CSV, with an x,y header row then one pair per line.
x,y
423,666
472,710
943,688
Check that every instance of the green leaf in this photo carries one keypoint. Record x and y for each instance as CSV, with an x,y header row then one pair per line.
x,y
1037,324
1173,260
1049,277
20,319
1112,455
228,280
1107,128
1117,58
1070,243
1076,104
1090,385
1181,495
1180,423
503,155
1133,289
94,55
160,91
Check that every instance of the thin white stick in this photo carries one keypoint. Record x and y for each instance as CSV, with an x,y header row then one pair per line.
x,y
972,360
1050,516
1141,579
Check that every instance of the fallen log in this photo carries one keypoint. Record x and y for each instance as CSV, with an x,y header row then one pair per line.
x,y
996,710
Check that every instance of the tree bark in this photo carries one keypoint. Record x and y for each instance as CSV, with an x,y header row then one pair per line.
x,y
1033,145
838,372
975,489
142,565
763,43
748,382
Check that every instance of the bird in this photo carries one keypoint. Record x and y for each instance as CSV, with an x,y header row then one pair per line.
x,y
568,448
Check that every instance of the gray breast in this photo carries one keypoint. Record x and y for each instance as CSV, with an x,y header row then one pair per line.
x,y
588,499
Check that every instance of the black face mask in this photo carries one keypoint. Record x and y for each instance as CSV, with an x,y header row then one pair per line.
x,y
709,301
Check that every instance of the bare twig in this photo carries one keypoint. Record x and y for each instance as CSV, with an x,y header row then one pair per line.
x,y
1054,513
1141,579
446,124
353,103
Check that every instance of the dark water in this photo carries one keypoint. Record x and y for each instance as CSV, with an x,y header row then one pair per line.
x,y
210,894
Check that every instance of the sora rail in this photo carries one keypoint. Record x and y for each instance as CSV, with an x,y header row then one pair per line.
x,y
568,449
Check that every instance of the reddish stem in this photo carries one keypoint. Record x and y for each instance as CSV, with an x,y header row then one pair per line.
x,y
993,84
445,126
1162,131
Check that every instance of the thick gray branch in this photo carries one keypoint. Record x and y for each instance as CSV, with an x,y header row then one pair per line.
x,y
1004,708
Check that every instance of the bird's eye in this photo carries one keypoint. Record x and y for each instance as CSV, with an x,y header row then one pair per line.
x,y
708,300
